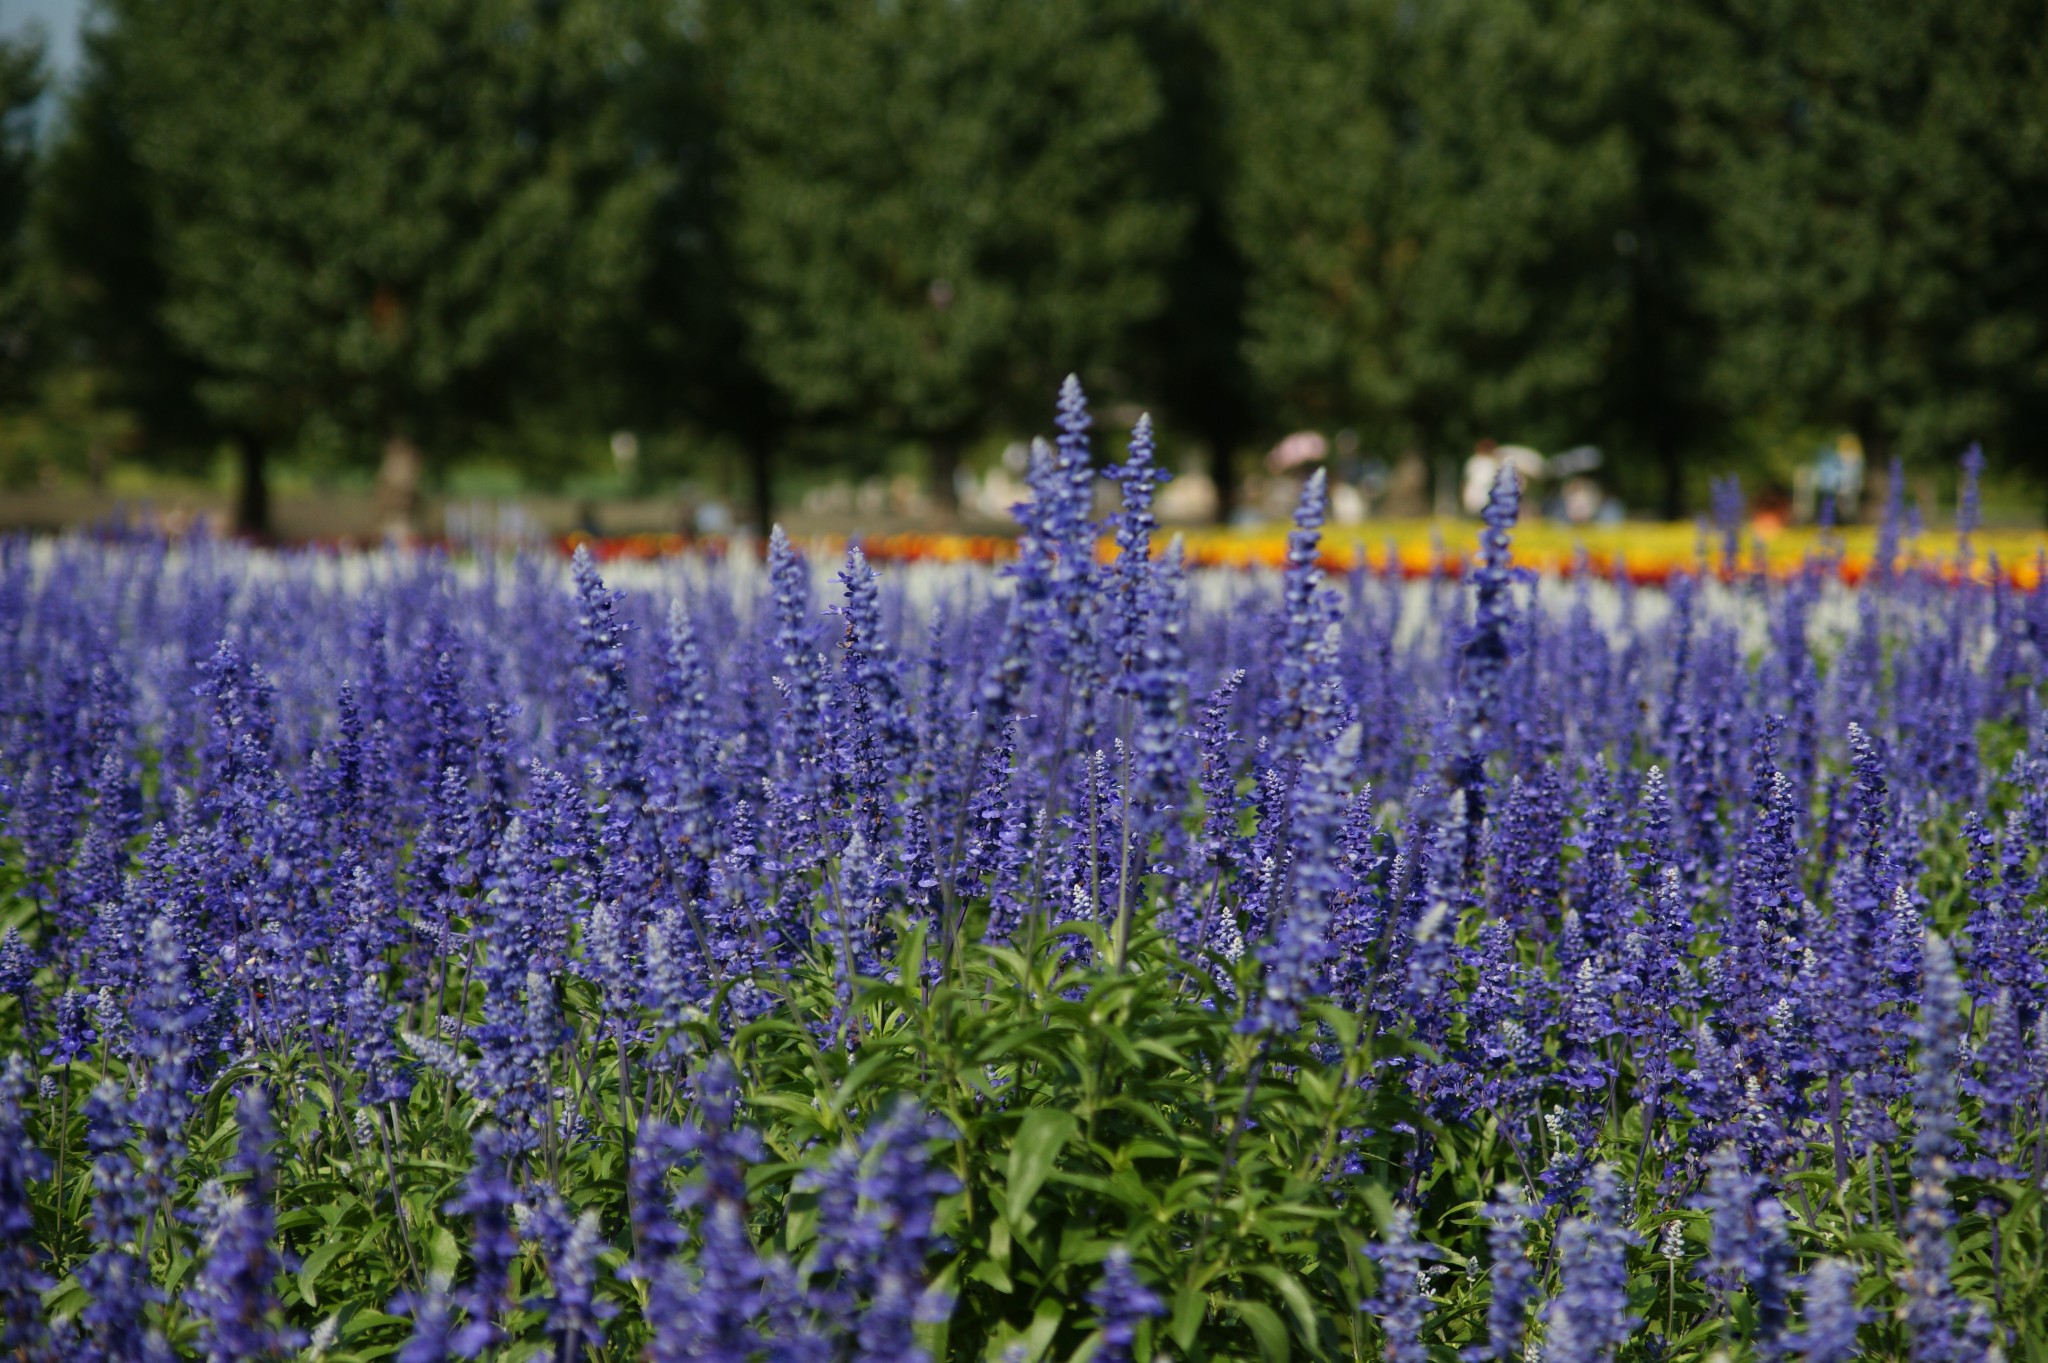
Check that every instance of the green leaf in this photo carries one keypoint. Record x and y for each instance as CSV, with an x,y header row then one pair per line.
x,y
1014,1038
1036,1337
444,1255
1293,1293
865,1071
996,1258
65,1300
316,1264
1040,1137
1340,1020
1268,1330
356,1323
1190,1308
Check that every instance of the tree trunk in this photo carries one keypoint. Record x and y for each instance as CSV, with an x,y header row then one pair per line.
x,y
943,471
761,484
252,490
398,488
1878,447
1673,463
1223,472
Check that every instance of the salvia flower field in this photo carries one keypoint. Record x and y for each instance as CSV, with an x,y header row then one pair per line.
x,y
1090,958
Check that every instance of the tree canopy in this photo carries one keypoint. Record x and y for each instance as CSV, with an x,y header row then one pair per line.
x,y
943,205
1685,232
387,221
1880,209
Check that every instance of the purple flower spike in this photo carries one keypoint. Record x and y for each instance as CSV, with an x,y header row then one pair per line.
x,y
21,1275
570,1242
1122,1303
1401,1305
487,1198
1589,1319
1832,1316
875,1215
1514,1276
1931,1308
1483,655
235,1297
432,1338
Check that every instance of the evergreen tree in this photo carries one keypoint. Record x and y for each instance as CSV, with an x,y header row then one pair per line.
x,y
1882,186
1447,213
1658,411
93,241
694,365
21,87
395,220
942,206
1674,230
1191,356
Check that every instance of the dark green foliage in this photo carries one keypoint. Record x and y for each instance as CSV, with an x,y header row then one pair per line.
x,y
943,206
1191,357
1441,212
1697,235
95,239
21,85
385,221
1881,181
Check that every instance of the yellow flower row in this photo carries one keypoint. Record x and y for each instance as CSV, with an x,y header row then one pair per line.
x,y
1645,551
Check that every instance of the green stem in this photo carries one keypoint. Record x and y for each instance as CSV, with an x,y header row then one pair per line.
x,y
1121,943
63,1148
397,1202
1229,1162
461,1018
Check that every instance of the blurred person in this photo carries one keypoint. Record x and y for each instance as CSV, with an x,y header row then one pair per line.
x,y
1298,449
714,518
1483,465
1347,504
1837,477
1407,490
1580,500
1190,498
1373,478
1529,464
